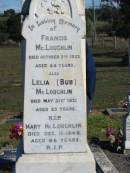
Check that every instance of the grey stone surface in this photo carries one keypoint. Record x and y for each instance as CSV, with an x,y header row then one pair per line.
x,y
104,165
126,127
114,111
55,132
56,163
7,158
55,77
8,154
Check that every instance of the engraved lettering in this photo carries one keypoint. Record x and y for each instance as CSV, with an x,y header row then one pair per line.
x,y
32,126
53,38
40,82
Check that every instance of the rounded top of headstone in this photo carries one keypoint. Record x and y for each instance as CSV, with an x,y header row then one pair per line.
x,y
52,7
71,12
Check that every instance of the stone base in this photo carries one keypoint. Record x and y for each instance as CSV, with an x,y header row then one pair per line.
x,y
56,163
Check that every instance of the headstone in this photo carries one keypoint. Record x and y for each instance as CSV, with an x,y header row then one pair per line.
x,y
7,158
21,1
116,111
127,126
55,132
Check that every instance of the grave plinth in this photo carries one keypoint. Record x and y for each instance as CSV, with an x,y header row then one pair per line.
x,y
55,132
56,163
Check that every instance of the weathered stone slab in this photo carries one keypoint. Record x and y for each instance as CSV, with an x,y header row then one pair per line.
x,y
116,111
55,132
104,165
55,95
56,163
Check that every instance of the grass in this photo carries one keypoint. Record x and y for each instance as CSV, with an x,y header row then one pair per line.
x,y
113,79
10,89
4,136
112,85
4,18
10,77
97,125
2,171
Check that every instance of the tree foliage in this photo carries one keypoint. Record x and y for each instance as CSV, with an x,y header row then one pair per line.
x,y
14,27
9,12
89,21
112,3
3,26
10,26
121,23
124,28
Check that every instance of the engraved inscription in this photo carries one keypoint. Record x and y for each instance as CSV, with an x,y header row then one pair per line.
x,y
58,7
54,103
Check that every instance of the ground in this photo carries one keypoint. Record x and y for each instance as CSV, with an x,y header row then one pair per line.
x,y
120,161
113,85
